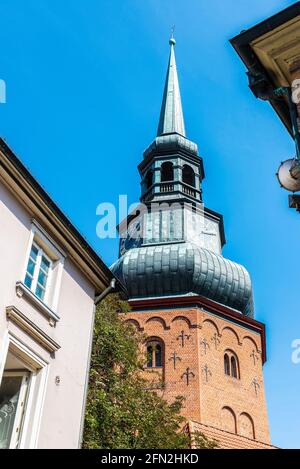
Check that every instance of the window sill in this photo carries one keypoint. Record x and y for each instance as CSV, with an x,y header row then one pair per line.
x,y
22,290
232,378
154,367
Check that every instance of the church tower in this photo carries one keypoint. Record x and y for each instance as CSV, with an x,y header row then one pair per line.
x,y
194,305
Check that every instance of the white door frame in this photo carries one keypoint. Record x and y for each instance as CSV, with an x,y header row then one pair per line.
x,y
35,366
21,406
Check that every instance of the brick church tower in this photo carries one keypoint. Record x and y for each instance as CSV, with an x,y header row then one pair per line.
x,y
194,305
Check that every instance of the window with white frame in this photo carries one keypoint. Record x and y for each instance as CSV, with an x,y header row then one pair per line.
x,y
38,272
43,268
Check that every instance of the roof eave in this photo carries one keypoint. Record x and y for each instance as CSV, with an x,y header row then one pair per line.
x,y
15,175
242,45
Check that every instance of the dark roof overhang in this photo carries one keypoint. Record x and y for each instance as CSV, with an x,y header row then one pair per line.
x,y
242,45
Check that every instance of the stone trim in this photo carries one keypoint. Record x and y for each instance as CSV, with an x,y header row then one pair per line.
x,y
16,316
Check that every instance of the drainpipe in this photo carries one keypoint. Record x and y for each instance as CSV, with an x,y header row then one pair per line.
x,y
109,289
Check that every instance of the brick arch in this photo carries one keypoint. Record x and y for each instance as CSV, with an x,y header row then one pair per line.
x,y
246,425
135,323
228,420
161,321
182,318
252,341
153,338
228,328
210,321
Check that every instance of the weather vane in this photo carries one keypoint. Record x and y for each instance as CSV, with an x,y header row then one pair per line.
x,y
172,40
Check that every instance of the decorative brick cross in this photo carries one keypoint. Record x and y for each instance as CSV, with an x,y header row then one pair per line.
x,y
256,385
174,357
182,337
205,344
216,340
207,372
254,356
187,375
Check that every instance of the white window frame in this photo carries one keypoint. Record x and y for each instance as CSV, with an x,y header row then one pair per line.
x,y
37,268
37,234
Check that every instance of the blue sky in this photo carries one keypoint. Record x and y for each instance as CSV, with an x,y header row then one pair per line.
x,y
84,86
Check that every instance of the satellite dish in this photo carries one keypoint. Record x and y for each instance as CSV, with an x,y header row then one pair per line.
x,y
286,180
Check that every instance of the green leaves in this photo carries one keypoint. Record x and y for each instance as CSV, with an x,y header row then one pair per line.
x,y
121,412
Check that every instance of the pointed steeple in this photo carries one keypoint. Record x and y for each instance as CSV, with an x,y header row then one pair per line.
x,y
171,115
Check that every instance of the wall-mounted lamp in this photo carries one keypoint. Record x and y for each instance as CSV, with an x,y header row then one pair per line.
x,y
289,171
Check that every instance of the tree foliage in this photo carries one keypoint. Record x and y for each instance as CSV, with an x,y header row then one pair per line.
x,y
121,411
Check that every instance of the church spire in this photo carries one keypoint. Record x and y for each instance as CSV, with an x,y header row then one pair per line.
x,y
171,115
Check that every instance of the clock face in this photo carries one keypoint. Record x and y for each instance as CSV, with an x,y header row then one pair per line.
x,y
203,232
211,236
132,238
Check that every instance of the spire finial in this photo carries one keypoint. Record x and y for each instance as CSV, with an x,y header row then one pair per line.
x,y
172,41
171,115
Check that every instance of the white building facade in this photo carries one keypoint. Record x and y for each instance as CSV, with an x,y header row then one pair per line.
x,y
49,277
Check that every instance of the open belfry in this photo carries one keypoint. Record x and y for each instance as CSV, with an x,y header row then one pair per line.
x,y
194,305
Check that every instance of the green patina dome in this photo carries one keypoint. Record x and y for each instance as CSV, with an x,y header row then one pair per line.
x,y
182,269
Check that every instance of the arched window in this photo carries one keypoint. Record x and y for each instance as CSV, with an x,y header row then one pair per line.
x,y
188,175
246,426
231,365
228,420
149,179
154,354
158,355
167,172
150,356
226,364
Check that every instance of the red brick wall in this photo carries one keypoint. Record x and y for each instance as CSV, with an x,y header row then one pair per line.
x,y
211,397
227,440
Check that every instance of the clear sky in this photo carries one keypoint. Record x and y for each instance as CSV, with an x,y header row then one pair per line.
x,y
84,86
